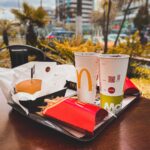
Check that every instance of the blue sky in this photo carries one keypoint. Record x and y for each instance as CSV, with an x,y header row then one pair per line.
x,y
6,5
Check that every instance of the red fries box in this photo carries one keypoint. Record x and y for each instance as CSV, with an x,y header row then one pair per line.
x,y
75,113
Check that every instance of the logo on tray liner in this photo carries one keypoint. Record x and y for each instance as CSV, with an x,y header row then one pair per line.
x,y
111,90
47,69
79,76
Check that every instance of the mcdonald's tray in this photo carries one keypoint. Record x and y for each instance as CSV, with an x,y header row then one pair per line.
x,y
74,134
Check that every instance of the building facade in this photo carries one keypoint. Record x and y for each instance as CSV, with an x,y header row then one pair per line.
x,y
97,5
133,10
66,11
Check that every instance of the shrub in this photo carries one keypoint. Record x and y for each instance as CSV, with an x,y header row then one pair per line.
x,y
132,46
4,59
63,52
143,85
136,70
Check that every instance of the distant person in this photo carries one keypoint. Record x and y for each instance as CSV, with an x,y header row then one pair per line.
x,y
143,39
31,36
148,34
5,38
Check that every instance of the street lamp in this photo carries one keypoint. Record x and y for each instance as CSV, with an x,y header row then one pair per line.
x,y
41,2
79,18
19,4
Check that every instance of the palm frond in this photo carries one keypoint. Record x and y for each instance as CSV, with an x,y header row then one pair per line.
x,y
40,17
5,25
35,16
28,10
19,15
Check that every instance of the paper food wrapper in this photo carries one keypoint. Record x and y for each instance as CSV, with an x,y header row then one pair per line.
x,y
7,80
53,78
130,88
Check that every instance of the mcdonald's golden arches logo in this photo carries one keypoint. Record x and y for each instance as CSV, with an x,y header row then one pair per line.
x,y
79,76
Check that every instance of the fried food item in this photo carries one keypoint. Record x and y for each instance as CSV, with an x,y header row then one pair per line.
x,y
29,86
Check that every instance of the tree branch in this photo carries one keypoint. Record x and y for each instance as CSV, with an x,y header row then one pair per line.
x,y
124,19
107,27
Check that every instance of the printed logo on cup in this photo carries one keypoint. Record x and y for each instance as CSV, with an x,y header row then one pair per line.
x,y
47,69
79,76
111,90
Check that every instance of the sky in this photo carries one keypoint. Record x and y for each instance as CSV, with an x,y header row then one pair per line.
x,y
7,5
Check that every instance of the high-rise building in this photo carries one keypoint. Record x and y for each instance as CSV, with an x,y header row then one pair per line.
x,y
97,5
66,11
132,12
51,13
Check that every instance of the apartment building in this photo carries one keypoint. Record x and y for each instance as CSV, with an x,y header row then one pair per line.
x,y
66,11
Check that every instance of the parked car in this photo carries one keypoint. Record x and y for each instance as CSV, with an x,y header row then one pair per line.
x,y
100,39
122,36
60,35
58,29
111,39
87,37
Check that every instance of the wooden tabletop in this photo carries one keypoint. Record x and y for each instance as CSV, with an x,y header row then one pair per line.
x,y
131,131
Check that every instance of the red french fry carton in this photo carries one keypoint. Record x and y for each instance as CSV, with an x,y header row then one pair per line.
x,y
129,87
80,115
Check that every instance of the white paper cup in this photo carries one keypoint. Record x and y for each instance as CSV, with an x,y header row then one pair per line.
x,y
112,73
87,71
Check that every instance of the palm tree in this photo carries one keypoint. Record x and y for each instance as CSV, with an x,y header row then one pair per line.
x,y
31,17
5,26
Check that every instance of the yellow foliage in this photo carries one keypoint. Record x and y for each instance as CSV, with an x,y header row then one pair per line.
x,y
132,46
143,85
4,54
5,59
65,50
87,46
139,71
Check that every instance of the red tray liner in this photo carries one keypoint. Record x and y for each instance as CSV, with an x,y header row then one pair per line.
x,y
76,113
129,87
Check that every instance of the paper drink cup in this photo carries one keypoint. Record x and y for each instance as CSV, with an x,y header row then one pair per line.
x,y
87,71
112,73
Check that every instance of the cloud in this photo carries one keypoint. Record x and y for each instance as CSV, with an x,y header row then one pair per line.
x,y
7,5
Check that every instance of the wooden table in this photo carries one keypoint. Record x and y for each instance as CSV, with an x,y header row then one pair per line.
x,y
130,132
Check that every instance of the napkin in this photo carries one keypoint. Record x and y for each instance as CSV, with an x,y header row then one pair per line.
x,y
7,81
